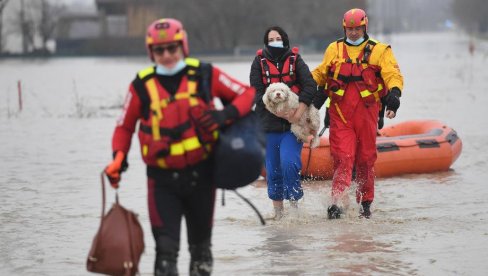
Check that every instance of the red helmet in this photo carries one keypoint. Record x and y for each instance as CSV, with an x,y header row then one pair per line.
x,y
355,18
166,30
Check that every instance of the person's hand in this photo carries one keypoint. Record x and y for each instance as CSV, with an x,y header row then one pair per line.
x,y
115,168
210,120
392,100
295,117
286,114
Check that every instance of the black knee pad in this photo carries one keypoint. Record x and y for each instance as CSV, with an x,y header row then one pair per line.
x,y
201,263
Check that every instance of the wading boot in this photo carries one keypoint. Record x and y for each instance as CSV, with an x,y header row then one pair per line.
x,y
166,256
365,211
165,267
334,212
201,262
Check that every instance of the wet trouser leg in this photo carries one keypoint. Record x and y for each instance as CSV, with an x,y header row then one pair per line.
x,y
165,213
168,202
283,165
366,128
291,165
343,148
199,210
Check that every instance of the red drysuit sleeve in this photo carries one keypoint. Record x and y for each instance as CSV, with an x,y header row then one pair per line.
x,y
126,124
232,91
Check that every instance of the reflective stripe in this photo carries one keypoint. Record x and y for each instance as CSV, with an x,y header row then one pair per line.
x,y
187,144
327,102
145,72
162,163
145,150
155,108
191,143
176,149
339,92
340,113
192,62
366,93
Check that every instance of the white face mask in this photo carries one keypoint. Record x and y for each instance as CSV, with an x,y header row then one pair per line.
x,y
357,42
165,71
277,44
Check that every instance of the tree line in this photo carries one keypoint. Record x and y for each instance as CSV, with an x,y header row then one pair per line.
x,y
222,24
35,21
471,15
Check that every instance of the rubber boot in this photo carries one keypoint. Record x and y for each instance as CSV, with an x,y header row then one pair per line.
x,y
334,212
365,211
201,262
166,256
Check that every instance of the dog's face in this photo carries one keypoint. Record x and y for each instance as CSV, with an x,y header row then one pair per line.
x,y
276,93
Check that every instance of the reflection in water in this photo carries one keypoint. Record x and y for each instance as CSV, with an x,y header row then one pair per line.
x,y
279,248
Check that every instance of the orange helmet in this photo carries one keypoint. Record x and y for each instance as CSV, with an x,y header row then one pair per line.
x,y
166,30
355,18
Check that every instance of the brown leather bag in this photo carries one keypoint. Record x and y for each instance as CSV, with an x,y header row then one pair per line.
x,y
119,242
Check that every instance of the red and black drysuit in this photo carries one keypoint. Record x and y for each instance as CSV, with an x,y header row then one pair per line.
x,y
178,154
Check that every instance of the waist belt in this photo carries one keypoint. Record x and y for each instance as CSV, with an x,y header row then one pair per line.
x,y
174,133
348,79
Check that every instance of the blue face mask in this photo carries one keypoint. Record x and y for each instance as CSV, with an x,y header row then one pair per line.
x,y
355,43
277,44
162,70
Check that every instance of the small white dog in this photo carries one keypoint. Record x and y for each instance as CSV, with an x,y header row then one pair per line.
x,y
279,99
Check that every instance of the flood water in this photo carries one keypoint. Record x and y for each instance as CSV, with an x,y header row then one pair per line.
x,y
51,155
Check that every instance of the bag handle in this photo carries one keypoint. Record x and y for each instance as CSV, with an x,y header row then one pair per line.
x,y
104,197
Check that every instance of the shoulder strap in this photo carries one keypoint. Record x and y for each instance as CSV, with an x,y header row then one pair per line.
x,y
367,50
146,73
205,80
265,67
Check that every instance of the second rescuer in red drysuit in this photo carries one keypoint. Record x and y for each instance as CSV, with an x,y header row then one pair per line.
x,y
172,104
359,73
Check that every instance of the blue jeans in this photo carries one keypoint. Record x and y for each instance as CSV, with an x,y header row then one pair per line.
x,y
283,166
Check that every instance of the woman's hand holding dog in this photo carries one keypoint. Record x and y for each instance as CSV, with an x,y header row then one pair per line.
x,y
295,118
286,114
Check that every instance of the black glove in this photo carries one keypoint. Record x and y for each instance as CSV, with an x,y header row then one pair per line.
x,y
211,120
326,122
320,97
381,114
392,99
327,118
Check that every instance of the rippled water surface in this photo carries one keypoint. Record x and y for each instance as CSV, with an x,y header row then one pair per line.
x,y
52,152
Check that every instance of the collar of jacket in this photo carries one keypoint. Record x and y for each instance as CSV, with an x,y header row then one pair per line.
x,y
366,38
269,55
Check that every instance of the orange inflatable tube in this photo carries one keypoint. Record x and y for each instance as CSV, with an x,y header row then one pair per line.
x,y
408,147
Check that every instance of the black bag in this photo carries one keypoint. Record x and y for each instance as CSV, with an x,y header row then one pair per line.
x,y
239,153
119,242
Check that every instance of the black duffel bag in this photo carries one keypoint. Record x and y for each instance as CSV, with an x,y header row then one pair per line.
x,y
239,153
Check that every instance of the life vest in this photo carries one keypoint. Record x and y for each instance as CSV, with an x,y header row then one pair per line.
x,y
271,72
365,76
168,135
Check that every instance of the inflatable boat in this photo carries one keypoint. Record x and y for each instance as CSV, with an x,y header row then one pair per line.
x,y
409,147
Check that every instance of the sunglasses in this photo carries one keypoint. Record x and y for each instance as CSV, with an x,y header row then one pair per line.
x,y
172,48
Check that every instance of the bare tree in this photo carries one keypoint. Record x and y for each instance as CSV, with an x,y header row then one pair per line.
x,y
25,24
47,21
3,3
